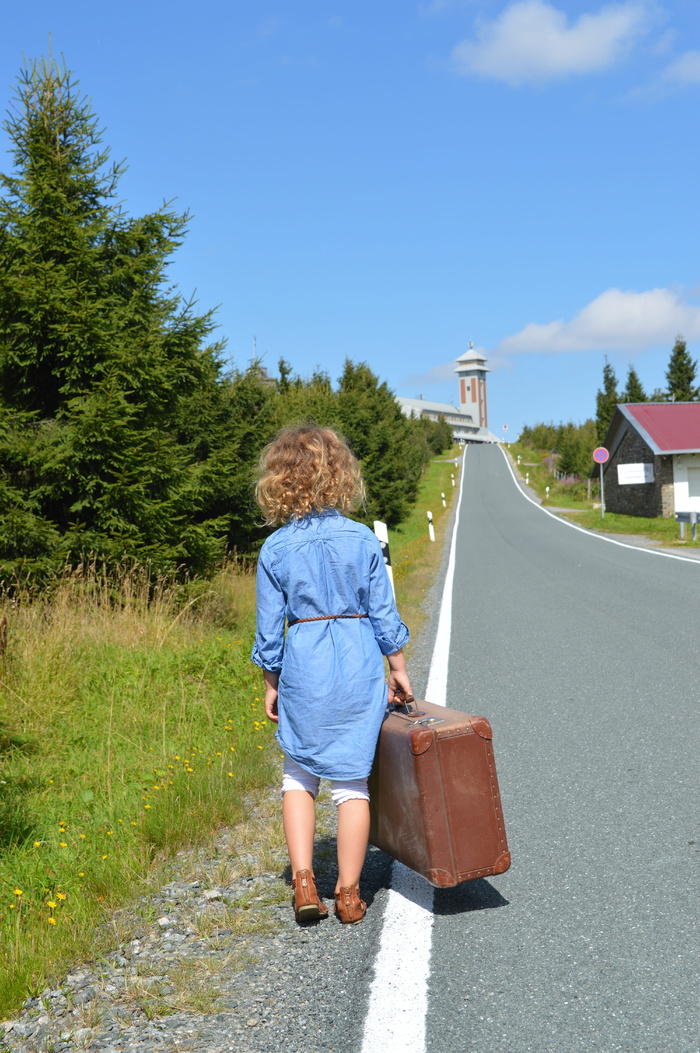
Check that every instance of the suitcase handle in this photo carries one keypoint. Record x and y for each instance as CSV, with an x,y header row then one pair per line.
x,y
401,698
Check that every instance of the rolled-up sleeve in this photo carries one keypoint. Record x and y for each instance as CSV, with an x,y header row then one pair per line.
x,y
268,648
390,632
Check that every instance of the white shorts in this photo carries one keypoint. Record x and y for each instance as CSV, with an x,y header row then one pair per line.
x,y
298,778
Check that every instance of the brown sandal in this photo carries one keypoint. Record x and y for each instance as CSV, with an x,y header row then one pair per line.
x,y
307,905
348,905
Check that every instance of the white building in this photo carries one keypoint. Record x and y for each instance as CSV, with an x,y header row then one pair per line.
x,y
469,420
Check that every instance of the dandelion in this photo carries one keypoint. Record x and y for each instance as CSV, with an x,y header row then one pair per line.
x,y
104,857
259,747
109,833
145,807
62,895
51,903
62,844
19,892
52,921
81,873
230,774
37,844
82,836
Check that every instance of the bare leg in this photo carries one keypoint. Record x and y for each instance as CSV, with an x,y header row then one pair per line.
x,y
353,835
299,819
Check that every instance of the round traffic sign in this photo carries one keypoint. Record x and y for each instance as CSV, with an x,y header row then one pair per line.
x,y
600,455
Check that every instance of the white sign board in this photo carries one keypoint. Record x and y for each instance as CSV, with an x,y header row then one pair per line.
x,y
628,474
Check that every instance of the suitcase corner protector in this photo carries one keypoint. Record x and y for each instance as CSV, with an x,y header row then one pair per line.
x,y
441,878
502,863
482,727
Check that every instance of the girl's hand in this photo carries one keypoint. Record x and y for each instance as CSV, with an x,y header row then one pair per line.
x,y
398,677
271,682
398,682
271,705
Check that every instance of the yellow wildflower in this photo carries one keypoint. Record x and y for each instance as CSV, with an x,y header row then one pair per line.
x,y
52,921
18,892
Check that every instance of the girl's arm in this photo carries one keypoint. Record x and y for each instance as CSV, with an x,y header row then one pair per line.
x,y
271,682
398,677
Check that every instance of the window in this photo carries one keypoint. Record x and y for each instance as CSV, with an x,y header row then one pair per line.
x,y
694,482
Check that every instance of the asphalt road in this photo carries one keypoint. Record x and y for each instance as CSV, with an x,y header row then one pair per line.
x,y
585,656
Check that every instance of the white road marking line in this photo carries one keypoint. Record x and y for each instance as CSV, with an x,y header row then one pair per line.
x,y
591,533
436,690
398,997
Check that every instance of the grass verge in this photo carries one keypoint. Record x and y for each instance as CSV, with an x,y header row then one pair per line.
x,y
571,498
415,558
131,726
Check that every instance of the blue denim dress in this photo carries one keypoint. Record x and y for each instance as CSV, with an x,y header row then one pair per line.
x,y
332,688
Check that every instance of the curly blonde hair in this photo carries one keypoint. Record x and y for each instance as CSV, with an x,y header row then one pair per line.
x,y
307,469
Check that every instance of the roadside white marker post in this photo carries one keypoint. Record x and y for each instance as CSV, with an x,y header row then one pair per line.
x,y
518,458
431,528
527,478
600,456
547,492
453,479
444,502
382,535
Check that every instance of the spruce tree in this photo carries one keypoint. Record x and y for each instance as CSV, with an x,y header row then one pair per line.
x,y
606,401
393,450
681,373
634,392
97,354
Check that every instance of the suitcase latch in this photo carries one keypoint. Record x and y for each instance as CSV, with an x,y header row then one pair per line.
x,y
426,721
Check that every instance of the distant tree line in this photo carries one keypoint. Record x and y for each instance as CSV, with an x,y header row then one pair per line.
x,y
122,434
680,387
572,445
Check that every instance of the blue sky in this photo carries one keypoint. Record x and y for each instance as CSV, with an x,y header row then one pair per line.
x,y
386,180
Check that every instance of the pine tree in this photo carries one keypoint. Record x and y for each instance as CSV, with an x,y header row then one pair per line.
x,y
97,355
634,392
606,401
392,449
681,374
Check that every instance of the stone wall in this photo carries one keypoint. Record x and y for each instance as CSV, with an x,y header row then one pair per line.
x,y
643,499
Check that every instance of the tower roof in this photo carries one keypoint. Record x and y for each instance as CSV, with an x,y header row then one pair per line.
x,y
472,359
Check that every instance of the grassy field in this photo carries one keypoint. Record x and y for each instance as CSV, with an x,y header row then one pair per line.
x,y
131,725
587,513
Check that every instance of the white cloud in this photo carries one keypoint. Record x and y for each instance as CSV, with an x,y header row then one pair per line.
x,y
685,69
436,375
532,41
616,320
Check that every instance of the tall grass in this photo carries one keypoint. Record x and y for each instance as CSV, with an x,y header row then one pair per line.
x,y
130,724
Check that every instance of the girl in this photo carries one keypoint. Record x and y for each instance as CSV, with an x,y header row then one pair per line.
x,y
325,684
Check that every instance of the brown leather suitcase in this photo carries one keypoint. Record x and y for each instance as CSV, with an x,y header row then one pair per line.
x,y
434,798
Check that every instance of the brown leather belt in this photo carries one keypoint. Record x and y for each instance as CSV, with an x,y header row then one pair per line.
x,y
328,618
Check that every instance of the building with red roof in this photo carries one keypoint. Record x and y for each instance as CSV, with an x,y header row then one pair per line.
x,y
654,463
